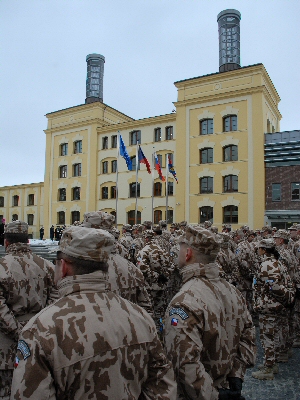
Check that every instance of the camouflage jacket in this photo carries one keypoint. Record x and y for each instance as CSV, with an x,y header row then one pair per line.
x,y
289,260
225,259
91,344
209,334
26,287
246,261
154,262
127,281
272,287
126,240
163,240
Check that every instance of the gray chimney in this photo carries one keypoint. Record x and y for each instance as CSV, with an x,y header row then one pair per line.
x,y
229,40
94,78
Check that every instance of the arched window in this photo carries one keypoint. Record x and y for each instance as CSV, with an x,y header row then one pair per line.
x,y
207,184
131,217
157,216
62,195
15,201
206,155
15,217
157,189
206,214
230,153
76,194
230,215
206,126
132,189
75,216
104,192
114,166
230,183
230,123
30,218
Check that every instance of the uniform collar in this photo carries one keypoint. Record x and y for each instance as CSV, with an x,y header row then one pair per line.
x,y
18,248
210,271
88,283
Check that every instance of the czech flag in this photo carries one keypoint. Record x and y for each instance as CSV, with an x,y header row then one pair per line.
x,y
171,168
158,169
143,159
125,155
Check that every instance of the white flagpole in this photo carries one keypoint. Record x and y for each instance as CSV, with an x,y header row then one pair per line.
x,y
117,173
153,169
167,177
136,182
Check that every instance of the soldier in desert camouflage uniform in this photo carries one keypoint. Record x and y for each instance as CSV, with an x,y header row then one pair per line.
x,y
209,334
126,239
125,278
154,262
26,287
120,249
91,343
225,259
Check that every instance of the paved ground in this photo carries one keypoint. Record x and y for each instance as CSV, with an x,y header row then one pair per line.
x,y
285,386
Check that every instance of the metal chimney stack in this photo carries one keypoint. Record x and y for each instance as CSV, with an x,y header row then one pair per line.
x,y
229,40
94,79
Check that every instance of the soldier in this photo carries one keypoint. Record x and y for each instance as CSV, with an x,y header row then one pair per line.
x,y
126,239
225,259
154,262
138,242
26,287
182,226
226,228
91,343
207,224
209,336
174,229
125,278
120,249
266,232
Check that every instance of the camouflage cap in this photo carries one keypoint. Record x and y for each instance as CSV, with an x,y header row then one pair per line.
x,y
174,225
137,227
294,227
267,243
183,223
115,232
207,224
16,227
214,229
98,220
266,229
147,223
149,234
226,226
200,239
87,243
127,227
245,228
250,232
281,233
163,223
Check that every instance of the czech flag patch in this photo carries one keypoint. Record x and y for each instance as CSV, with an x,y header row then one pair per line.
x,y
174,321
16,362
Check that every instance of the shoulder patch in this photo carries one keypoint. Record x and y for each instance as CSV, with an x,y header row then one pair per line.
x,y
237,251
178,311
24,349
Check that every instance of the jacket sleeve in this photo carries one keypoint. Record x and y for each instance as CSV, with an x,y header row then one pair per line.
x,y
32,378
183,342
8,323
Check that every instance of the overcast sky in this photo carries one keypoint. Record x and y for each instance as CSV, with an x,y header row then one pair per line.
x,y
147,44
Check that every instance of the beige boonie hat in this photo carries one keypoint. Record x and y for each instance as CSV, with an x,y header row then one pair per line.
x,y
281,233
87,243
183,223
267,243
207,224
127,227
147,223
201,239
162,222
98,220
295,227
16,227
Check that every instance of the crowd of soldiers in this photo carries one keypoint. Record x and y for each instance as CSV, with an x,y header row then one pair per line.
x,y
150,313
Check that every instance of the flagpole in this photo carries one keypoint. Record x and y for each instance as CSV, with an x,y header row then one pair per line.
x,y
117,174
136,181
153,163
167,178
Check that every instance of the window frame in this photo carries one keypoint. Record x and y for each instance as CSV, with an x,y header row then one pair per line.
x,y
157,216
157,134
76,193
231,118
297,188
61,218
209,156
15,217
230,147
169,132
62,194
30,219
170,188
77,169
63,171
135,136
208,129
157,189
113,192
232,219
207,212
2,201
30,200
131,217
75,216
169,216
114,141
104,167
104,192
275,191
231,188
77,146
63,149
105,143
209,180
132,190
15,200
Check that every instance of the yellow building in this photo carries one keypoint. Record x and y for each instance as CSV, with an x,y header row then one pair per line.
x,y
215,139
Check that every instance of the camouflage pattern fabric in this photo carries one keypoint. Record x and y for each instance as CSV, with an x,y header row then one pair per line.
x,y
121,250
91,344
6,376
126,240
208,334
226,260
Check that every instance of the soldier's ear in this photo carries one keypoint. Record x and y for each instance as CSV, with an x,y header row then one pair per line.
x,y
64,268
188,254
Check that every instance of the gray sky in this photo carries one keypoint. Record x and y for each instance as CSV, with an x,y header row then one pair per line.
x,y
147,44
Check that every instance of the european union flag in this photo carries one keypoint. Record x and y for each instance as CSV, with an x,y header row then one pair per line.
x,y
125,155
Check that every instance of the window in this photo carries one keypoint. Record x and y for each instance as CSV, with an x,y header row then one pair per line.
x,y
160,160
77,169
206,184
114,166
131,217
104,192
157,134
62,195
15,201
63,169
132,190
78,146
113,192
75,216
169,217
157,216
105,142
230,153
206,214
230,215
64,149
30,218
15,217
170,189
276,191
133,163
61,218
206,155
76,193
114,141
135,136
31,199
157,189
295,186
171,157
230,123
206,126
230,183
169,132
105,167
1,201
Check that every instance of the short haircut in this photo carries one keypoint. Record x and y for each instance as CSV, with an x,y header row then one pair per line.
x,y
16,237
81,267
